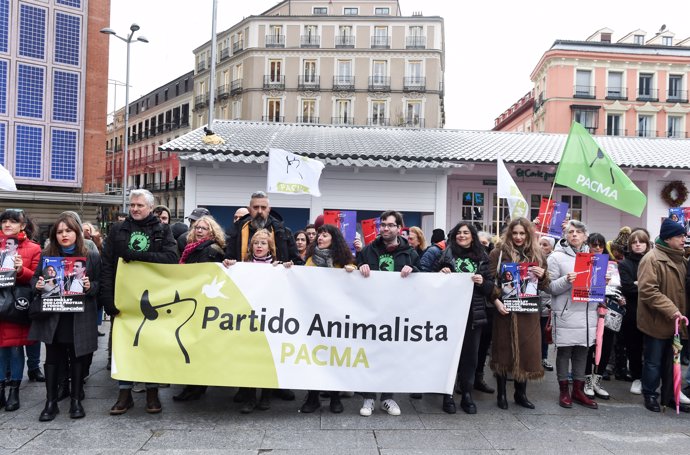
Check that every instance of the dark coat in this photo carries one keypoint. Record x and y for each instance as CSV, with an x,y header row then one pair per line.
x,y
84,328
627,269
159,247
427,262
17,334
481,292
286,249
403,255
209,251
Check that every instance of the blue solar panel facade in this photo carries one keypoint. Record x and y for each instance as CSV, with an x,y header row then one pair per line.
x,y
28,149
67,38
4,25
71,3
4,65
30,81
63,151
32,31
3,142
65,96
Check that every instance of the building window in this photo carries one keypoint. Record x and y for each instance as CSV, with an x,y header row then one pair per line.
x,y
236,110
674,128
645,126
638,39
273,110
274,71
275,37
380,38
613,125
343,80
343,112
320,11
311,37
473,208
675,89
583,84
309,111
615,89
575,205
378,113
350,11
667,41
382,11
413,114
344,37
645,92
587,117
416,38
379,72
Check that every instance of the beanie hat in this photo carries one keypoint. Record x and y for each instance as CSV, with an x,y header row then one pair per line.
x,y
74,215
318,222
437,235
670,229
178,229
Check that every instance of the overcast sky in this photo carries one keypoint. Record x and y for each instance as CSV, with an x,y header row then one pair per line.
x,y
491,46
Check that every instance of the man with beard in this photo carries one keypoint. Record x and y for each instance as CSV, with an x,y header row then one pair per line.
x,y
261,216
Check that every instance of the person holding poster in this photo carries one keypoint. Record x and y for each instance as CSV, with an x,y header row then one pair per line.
x,y
69,336
13,337
516,344
329,250
661,300
466,254
574,323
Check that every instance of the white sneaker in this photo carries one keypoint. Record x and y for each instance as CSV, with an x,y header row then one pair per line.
x,y
636,387
684,399
598,389
367,407
391,407
589,389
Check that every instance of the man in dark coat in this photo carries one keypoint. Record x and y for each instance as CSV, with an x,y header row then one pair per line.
x,y
140,237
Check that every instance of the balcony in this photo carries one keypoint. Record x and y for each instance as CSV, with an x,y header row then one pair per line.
x,y
273,118
648,94
615,132
676,96
308,119
584,91
344,41
676,134
224,53
236,87
378,121
379,84
645,133
275,40
412,122
201,66
414,84
416,42
274,82
200,101
222,91
616,93
310,41
380,42
308,82
343,83
342,120
237,46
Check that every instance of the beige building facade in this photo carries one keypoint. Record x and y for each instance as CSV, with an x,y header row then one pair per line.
x,y
337,62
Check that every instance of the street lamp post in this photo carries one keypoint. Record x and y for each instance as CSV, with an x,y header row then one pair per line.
x,y
109,31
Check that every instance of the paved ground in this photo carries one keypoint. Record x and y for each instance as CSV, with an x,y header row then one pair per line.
x,y
213,425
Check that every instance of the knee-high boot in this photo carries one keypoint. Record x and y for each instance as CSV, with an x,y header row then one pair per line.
x,y
521,395
51,408
501,399
3,401
76,410
13,396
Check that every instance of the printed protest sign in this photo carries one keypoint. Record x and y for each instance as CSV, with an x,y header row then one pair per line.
x,y
63,291
370,229
8,274
345,221
313,328
551,217
590,283
519,287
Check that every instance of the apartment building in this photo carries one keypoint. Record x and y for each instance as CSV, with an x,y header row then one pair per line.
x,y
636,85
337,62
154,119
53,95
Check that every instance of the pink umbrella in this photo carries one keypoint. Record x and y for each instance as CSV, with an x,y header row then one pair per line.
x,y
601,314
677,376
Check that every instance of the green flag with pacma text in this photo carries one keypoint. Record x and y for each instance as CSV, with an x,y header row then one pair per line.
x,y
588,169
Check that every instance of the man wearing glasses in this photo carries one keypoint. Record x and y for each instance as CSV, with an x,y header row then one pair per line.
x,y
389,252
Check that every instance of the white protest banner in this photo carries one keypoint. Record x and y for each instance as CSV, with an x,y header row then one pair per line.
x,y
254,325
6,180
293,174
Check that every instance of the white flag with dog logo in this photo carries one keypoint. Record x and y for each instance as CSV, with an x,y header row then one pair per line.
x,y
293,174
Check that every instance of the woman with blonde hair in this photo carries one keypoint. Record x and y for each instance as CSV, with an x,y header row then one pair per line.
x,y
516,344
416,239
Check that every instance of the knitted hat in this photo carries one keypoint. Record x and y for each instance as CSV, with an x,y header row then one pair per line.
x,y
670,229
437,235
74,215
178,229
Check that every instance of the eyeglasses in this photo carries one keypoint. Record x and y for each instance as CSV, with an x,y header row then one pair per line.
x,y
388,225
200,228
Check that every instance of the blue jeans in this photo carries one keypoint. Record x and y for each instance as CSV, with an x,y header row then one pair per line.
x,y
33,356
12,359
657,366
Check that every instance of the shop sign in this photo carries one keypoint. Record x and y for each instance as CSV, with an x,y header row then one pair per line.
x,y
529,173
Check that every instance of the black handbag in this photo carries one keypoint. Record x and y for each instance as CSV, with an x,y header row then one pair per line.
x,y
36,312
14,304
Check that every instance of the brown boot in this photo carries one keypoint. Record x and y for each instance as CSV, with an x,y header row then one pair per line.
x,y
564,399
580,397
153,404
123,403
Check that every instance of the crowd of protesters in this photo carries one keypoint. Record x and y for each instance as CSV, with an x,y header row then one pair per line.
x,y
647,279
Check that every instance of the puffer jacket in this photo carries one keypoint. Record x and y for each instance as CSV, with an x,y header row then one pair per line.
x,y
574,323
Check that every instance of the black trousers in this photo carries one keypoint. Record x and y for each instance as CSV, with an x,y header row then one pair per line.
x,y
468,357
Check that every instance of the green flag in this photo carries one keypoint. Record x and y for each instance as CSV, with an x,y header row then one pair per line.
x,y
587,169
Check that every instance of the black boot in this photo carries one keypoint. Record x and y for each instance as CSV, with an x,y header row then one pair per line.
x,y
76,410
467,404
336,405
501,399
63,388
13,396
312,403
521,395
481,385
3,401
36,375
51,408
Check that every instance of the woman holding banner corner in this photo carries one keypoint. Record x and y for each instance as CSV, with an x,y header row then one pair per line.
x,y
516,345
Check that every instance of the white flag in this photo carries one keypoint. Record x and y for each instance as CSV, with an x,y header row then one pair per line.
x,y
517,205
293,174
6,180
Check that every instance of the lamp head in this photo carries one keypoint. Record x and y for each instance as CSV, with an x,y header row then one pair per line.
x,y
108,31
134,27
142,39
